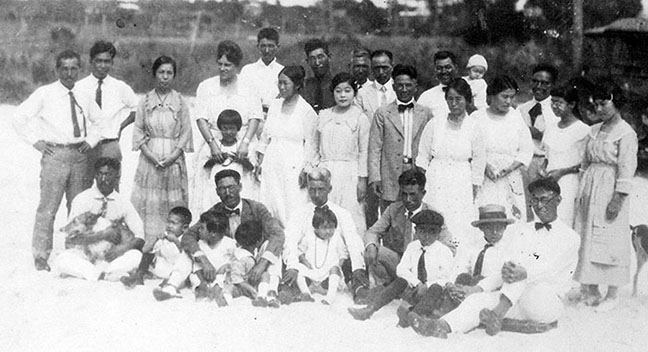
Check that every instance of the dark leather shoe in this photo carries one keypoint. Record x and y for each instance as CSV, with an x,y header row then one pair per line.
x,y
427,326
363,313
491,322
402,312
41,264
133,280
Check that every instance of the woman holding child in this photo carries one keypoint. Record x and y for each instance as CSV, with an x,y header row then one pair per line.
x,y
288,147
343,139
214,95
162,133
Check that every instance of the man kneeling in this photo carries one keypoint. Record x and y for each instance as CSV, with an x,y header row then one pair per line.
x,y
105,233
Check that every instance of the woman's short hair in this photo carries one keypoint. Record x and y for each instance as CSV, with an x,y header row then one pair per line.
x,y
296,74
231,51
462,88
500,84
608,90
229,117
344,77
164,60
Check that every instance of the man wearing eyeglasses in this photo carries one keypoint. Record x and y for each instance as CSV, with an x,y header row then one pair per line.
x,y
317,89
539,116
445,65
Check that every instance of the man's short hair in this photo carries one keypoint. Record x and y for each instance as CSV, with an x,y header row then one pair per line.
x,y
552,70
323,216
105,161
412,177
360,52
314,44
227,173
183,213
408,70
102,46
547,183
215,223
229,117
269,34
444,54
67,54
381,52
319,174
428,217
249,233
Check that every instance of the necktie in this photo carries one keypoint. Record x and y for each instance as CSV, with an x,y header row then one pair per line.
x,y
403,107
230,212
234,220
539,225
422,272
480,261
444,89
409,215
321,207
383,96
535,111
98,93
75,123
318,96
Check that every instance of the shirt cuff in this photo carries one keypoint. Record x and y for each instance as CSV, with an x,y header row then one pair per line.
x,y
270,257
624,185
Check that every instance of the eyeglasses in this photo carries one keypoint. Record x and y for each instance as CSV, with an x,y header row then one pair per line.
x,y
543,201
540,83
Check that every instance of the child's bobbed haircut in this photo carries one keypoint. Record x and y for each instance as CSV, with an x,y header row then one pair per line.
x,y
249,233
324,216
215,223
229,117
182,212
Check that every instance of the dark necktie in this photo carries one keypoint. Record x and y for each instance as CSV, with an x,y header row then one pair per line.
x,y
480,261
444,89
75,123
422,272
535,111
539,225
319,99
403,107
98,93
230,212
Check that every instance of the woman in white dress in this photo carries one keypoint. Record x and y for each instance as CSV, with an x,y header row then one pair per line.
x,y
343,139
509,147
565,145
452,153
214,95
287,149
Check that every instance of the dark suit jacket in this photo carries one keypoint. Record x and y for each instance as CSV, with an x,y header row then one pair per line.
x,y
310,90
395,229
250,211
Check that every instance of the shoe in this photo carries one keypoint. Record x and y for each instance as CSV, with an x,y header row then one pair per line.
x,y
286,298
402,312
133,279
260,302
607,305
305,297
273,302
490,321
427,327
360,296
527,326
41,264
165,293
363,313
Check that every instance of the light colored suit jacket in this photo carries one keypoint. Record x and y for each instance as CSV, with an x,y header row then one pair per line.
x,y
386,139
367,98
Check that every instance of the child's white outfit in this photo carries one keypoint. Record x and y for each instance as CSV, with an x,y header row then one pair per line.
x,y
221,254
478,88
166,257
244,261
439,263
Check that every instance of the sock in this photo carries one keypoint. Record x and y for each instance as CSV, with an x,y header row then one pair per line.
x,y
333,284
303,286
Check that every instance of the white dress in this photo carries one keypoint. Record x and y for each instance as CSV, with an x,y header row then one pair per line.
x,y
322,255
343,142
506,139
211,100
565,148
288,145
453,156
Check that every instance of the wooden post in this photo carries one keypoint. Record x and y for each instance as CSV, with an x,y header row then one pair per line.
x,y
577,32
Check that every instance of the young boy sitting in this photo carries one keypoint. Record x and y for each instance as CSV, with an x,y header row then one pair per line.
x,y
320,256
248,237
424,263
165,249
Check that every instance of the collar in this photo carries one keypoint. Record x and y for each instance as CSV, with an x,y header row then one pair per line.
x,y
398,102
378,85
98,195
239,206
96,80
63,89
416,211
272,63
544,101
323,205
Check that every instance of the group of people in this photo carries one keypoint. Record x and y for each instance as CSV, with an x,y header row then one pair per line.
x,y
473,211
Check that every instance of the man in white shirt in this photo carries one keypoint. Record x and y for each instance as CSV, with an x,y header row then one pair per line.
x,y
535,277
319,187
445,65
59,122
116,99
539,116
104,255
359,66
263,74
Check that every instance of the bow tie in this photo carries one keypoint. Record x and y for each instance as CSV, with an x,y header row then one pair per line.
x,y
539,225
403,107
321,207
230,212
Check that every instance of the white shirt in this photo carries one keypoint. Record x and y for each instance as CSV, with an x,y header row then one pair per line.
x,y
117,102
407,118
478,88
166,250
263,78
434,98
47,115
211,100
547,119
438,263
301,224
220,254
369,97
234,219
119,208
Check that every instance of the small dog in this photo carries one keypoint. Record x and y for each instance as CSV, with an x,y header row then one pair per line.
x,y
88,225
640,244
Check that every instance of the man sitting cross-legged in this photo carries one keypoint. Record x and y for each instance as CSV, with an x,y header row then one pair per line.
x,y
425,262
536,274
105,234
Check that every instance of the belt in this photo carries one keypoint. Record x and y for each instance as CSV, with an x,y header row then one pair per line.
x,y
67,146
104,141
